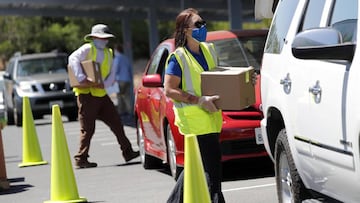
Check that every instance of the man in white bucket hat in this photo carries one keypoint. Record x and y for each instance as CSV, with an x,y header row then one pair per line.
x,y
99,31
93,101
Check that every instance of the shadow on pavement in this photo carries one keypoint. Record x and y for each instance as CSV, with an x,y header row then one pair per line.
x,y
130,163
165,170
248,169
16,188
243,169
116,165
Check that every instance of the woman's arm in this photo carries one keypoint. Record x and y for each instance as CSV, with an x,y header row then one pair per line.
x,y
172,90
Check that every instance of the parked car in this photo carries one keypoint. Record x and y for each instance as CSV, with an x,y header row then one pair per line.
x,y
41,77
309,89
159,139
3,114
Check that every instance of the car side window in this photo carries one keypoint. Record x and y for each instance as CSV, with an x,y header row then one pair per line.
x,y
162,63
155,61
157,65
344,19
312,14
280,26
10,68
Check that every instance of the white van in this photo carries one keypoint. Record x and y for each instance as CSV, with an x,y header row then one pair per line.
x,y
310,91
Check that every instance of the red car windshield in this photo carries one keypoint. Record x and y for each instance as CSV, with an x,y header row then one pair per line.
x,y
243,52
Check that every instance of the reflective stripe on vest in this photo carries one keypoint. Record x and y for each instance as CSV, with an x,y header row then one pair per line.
x,y
191,119
104,68
209,52
185,58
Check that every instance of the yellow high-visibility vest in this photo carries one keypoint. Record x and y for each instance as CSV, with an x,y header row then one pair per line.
x,y
191,119
105,68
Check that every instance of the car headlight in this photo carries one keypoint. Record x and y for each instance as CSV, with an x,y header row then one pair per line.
x,y
25,88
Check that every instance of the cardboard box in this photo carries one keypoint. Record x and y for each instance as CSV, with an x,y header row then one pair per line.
x,y
91,70
232,84
73,81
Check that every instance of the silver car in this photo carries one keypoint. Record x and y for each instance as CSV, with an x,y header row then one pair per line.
x,y
3,114
44,80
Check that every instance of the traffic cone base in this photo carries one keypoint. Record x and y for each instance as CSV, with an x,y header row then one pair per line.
x,y
81,199
33,163
4,185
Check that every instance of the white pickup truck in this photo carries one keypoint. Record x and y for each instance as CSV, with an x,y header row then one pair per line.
x,y
310,91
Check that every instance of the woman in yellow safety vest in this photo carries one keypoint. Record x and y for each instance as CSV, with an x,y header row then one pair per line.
x,y
195,115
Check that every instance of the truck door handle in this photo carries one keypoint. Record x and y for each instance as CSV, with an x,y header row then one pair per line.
x,y
316,91
286,82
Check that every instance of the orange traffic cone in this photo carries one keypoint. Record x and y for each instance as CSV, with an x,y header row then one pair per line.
x,y
31,148
195,184
63,185
4,183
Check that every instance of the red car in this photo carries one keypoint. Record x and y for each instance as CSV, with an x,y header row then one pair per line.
x,y
159,139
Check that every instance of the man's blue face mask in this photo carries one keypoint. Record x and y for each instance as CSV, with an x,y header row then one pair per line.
x,y
199,33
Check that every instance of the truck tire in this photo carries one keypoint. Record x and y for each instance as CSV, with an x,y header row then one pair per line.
x,y
290,187
17,114
10,116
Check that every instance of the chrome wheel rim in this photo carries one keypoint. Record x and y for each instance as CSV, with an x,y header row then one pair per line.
x,y
171,152
141,142
285,178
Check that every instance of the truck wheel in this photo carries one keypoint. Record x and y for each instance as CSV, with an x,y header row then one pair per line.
x,y
17,118
17,112
290,187
72,116
148,162
10,118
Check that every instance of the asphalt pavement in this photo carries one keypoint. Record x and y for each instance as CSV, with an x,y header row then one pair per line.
x,y
109,182
113,180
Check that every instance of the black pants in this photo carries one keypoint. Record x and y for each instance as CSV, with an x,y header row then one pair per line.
x,y
209,146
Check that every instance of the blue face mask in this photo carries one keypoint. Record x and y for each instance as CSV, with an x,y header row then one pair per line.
x,y
200,33
100,43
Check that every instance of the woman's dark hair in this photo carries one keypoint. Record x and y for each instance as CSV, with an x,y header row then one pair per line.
x,y
182,22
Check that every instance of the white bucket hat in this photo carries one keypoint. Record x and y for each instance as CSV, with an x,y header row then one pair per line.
x,y
99,31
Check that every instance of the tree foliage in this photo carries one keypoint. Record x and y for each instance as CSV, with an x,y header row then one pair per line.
x,y
43,34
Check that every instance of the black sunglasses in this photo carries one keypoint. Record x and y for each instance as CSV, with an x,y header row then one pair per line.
x,y
199,24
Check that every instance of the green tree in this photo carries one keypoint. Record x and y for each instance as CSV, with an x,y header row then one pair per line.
x,y
43,34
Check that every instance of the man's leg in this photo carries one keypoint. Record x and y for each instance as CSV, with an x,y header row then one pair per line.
x,y
87,114
109,116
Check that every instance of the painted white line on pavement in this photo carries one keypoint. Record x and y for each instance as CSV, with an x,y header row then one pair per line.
x,y
109,143
248,188
133,142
